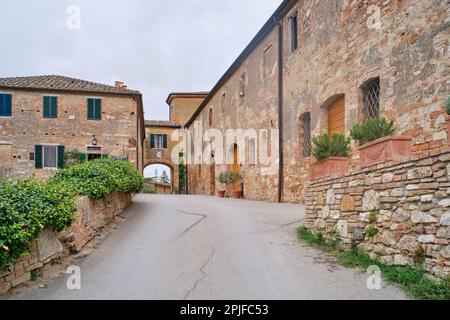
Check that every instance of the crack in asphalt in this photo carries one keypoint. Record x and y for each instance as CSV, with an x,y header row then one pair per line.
x,y
203,217
202,270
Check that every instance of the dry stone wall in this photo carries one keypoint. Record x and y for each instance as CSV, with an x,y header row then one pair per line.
x,y
91,217
407,204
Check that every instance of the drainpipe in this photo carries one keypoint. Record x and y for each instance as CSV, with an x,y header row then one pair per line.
x,y
280,111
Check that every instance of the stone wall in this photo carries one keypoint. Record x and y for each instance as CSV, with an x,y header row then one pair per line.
x,y
340,49
408,204
117,132
248,100
91,217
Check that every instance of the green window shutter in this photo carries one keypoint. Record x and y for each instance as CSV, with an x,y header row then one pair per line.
x,y
38,156
46,108
60,157
5,105
98,109
82,157
165,141
90,109
152,141
54,107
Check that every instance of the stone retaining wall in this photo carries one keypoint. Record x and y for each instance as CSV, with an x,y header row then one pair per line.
x,y
91,217
408,204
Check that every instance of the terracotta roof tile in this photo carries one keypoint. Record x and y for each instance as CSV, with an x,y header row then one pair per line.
x,y
55,82
160,123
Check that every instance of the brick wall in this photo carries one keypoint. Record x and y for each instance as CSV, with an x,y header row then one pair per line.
x,y
91,217
27,127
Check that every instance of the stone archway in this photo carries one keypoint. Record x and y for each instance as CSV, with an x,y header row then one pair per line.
x,y
173,172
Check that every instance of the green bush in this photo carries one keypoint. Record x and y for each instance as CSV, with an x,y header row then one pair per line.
x,y
26,209
96,179
324,147
372,129
29,207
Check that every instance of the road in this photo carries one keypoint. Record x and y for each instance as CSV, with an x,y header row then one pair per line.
x,y
199,247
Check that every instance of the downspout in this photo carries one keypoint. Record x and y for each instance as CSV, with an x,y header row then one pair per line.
x,y
280,111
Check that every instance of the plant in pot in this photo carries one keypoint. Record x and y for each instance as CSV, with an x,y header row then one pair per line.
x,y
331,154
224,181
377,143
235,177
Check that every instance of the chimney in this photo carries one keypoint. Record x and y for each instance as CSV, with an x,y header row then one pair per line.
x,y
119,84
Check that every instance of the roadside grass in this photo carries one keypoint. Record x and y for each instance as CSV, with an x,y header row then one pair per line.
x,y
413,280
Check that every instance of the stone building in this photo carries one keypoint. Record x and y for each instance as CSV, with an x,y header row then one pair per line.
x,y
158,146
43,117
321,67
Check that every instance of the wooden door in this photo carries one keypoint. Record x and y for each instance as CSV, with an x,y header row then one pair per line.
x,y
336,117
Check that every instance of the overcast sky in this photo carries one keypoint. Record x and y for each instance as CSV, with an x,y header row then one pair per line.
x,y
154,46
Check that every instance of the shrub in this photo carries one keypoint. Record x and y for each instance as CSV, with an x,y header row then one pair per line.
x,y
372,129
26,209
324,147
96,179
71,158
371,231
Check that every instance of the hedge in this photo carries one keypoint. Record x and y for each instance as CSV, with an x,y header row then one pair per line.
x,y
96,179
29,207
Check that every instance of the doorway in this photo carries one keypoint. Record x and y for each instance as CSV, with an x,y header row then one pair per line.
x,y
236,168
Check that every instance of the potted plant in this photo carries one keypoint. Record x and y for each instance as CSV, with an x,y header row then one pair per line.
x,y
378,143
447,109
223,180
235,177
331,154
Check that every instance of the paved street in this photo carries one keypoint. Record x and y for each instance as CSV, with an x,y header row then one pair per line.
x,y
198,247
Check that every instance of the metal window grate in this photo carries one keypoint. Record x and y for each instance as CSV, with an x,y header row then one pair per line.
x,y
371,98
306,135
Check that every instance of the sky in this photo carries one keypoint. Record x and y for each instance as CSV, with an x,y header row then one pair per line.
x,y
154,46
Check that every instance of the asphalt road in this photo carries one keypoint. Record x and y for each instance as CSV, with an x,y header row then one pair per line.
x,y
198,247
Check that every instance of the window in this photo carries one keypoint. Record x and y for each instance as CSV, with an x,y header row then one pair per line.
x,y
306,123
371,98
158,141
294,32
46,156
210,117
94,109
268,61
50,107
5,105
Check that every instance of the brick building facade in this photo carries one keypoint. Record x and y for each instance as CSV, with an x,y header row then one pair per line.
x,y
321,67
43,117
159,146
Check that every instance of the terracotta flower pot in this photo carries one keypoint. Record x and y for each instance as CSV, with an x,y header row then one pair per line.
x,y
237,194
221,194
331,167
383,150
448,130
